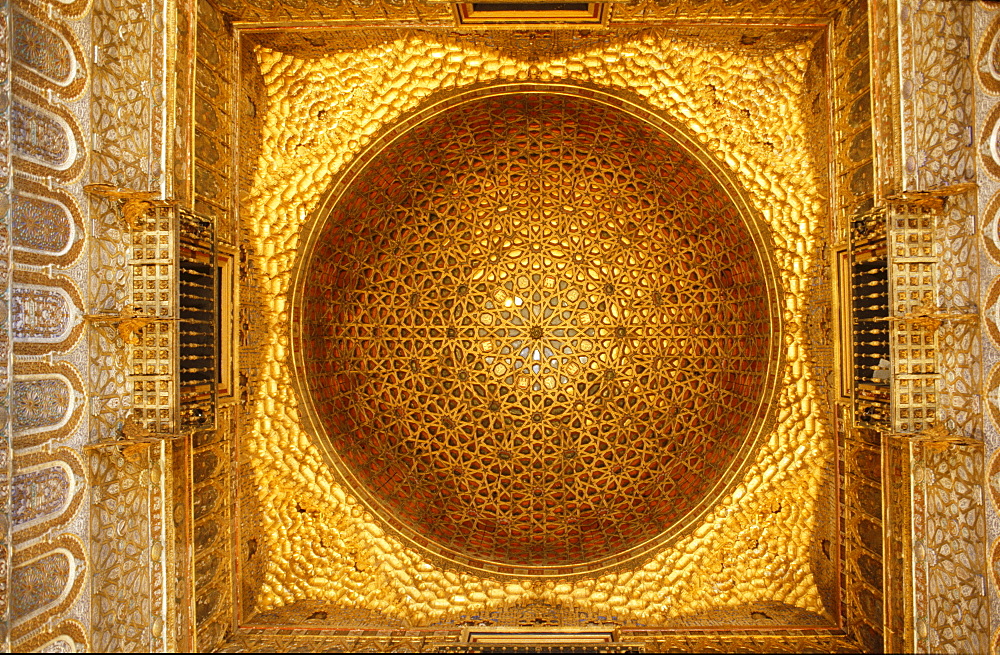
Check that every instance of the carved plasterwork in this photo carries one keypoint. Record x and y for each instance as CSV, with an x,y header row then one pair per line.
x,y
211,516
45,317
737,12
937,151
852,119
986,62
65,637
960,349
128,567
46,225
424,13
48,490
407,641
926,85
109,289
67,10
318,117
47,124
951,611
46,139
125,123
215,123
46,313
130,139
46,403
6,451
48,577
936,92
46,54
129,108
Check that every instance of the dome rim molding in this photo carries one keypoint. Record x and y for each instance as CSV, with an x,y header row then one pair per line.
x,y
760,232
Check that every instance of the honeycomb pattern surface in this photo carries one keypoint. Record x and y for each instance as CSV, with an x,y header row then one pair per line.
x,y
537,332
756,115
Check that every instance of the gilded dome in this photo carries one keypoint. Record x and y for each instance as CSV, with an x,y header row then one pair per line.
x,y
536,332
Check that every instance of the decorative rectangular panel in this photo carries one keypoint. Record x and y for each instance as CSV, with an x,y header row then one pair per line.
x,y
950,605
172,365
127,538
153,260
912,281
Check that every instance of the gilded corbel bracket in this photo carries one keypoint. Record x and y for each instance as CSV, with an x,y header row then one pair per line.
x,y
931,199
937,438
929,317
128,323
135,205
132,439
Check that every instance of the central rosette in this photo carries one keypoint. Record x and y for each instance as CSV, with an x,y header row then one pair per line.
x,y
538,332
535,333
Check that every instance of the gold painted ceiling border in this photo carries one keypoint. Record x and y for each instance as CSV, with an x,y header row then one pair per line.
x,y
610,26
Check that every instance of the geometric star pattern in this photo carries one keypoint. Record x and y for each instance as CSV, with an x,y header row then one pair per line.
x,y
536,331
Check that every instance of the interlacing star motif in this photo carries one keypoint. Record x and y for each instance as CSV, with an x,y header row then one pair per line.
x,y
559,348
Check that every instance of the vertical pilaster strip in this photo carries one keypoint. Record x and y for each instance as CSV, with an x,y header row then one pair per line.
x,y
986,69
942,155
897,544
178,180
862,556
925,105
902,98
886,95
6,453
924,100
863,542
950,603
123,480
934,88
131,111
212,194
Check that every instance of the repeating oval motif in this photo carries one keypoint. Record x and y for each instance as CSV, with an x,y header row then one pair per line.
x,y
991,241
989,148
69,8
992,398
41,403
46,226
60,644
46,314
41,314
991,311
67,637
46,53
41,225
988,61
46,492
40,584
993,481
39,492
45,580
46,139
42,138
205,500
46,402
991,227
